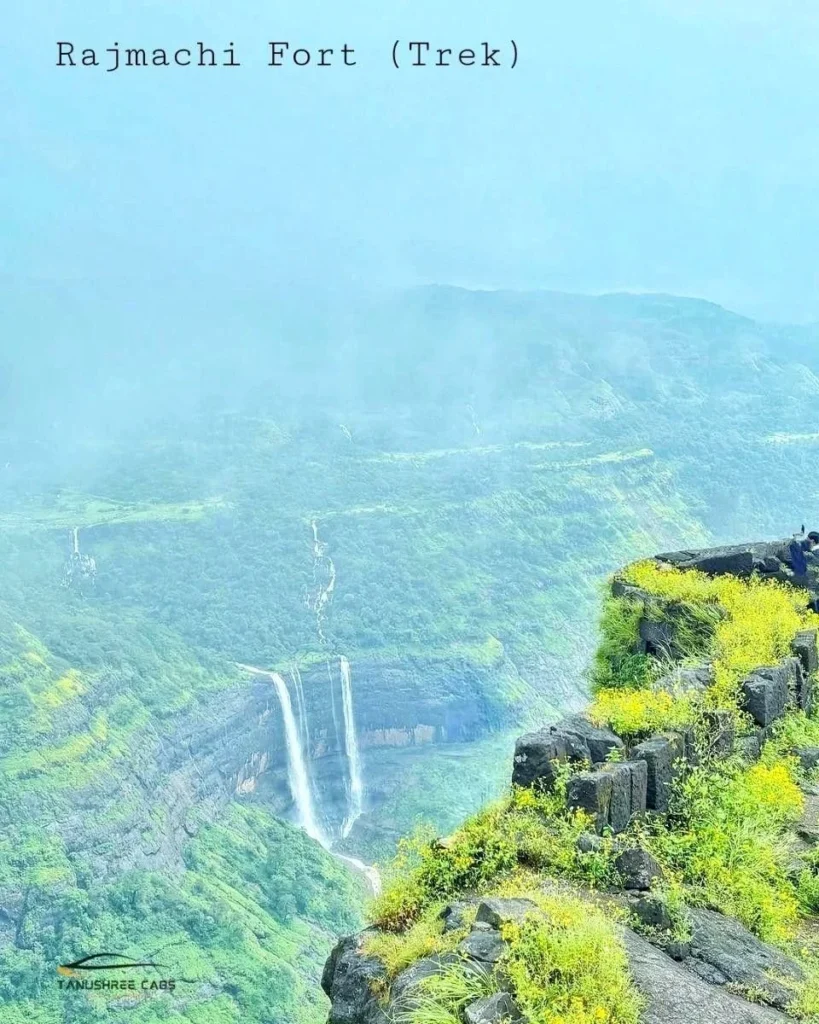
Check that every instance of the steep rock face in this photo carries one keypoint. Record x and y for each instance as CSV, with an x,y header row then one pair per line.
x,y
725,953
410,702
674,995
401,705
142,817
351,980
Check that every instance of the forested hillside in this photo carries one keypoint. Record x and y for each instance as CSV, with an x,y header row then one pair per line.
x,y
431,487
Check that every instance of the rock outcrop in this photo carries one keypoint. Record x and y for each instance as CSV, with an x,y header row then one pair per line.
x,y
675,995
721,973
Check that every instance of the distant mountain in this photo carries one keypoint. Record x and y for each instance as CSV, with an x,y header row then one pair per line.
x,y
427,487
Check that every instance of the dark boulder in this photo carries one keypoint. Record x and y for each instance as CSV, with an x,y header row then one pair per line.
x,y
765,694
619,588
497,1009
723,952
591,792
662,755
674,995
807,828
595,743
687,679
748,747
537,755
496,911
799,684
351,980
620,803
808,757
639,787
737,560
453,915
658,637
637,869
806,648
486,947
652,912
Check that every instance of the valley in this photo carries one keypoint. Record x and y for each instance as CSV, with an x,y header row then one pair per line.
x,y
300,635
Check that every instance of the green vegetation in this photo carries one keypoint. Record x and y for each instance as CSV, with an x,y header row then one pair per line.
x,y
740,625
242,913
69,511
569,967
422,938
470,521
443,996
238,931
723,844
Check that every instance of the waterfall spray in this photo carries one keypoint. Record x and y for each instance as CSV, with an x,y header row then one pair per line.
x,y
351,745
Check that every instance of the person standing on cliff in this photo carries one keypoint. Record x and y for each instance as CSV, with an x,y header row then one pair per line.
x,y
802,554
799,551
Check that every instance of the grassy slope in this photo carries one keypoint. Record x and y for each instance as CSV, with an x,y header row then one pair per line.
x,y
244,929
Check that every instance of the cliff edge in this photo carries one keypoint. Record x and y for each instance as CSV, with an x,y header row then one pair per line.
x,y
656,859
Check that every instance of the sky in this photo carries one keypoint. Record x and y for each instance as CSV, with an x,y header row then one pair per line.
x,y
658,145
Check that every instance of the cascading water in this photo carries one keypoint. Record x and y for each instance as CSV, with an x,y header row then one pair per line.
x,y
298,775
75,538
333,704
325,591
297,768
351,746
296,765
304,724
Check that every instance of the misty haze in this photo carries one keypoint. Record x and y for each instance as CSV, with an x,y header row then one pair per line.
x,y
342,417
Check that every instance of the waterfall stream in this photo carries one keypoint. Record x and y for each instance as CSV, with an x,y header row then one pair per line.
x,y
297,766
351,746
297,769
304,725
325,592
297,773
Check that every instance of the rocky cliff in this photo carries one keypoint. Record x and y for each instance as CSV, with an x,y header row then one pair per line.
x,y
665,836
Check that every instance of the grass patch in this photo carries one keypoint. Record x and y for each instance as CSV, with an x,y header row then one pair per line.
x,y
443,997
756,626
569,966
725,841
397,950
634,713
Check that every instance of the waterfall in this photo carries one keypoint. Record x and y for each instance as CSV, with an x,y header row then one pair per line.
x,y
76,540
297,770
296,765
333,704
325,593
304,724
351,745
